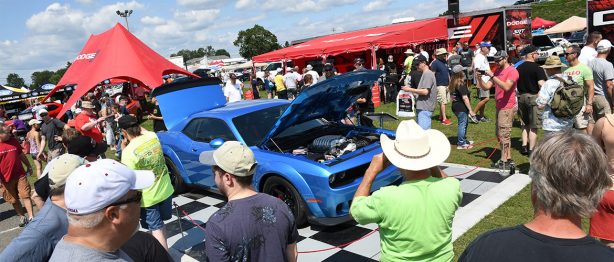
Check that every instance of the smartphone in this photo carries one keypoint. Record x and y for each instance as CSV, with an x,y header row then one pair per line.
x,y
482,72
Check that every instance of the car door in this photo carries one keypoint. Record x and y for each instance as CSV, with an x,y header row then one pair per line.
x,y
202,131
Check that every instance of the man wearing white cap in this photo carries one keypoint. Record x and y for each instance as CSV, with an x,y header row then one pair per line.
x,y
415,218
313,73
270,233
603,74
103,211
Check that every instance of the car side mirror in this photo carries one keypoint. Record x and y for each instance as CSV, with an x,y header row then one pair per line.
x,y
215,143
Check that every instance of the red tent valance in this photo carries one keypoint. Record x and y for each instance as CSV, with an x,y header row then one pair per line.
x,y
115,54
397,35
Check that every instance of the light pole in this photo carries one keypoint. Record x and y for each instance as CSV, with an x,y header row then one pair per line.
x,y
125,15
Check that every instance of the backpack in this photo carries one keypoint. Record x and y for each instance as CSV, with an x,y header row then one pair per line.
x,y
568,99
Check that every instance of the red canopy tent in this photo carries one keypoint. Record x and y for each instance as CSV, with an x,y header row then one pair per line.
x,y
396,35
538,23
114,54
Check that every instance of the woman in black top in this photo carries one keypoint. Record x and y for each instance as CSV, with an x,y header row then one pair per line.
x,y
156,116
461,106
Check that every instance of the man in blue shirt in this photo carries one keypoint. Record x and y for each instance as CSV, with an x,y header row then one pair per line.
x,y
442,77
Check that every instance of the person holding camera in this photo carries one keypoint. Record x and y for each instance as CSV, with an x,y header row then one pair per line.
x,y
480,65
504,80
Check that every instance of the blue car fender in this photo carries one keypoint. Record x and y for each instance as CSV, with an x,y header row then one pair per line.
x,y
170,153
289,173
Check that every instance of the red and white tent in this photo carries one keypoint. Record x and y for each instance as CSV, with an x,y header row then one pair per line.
x,y
390,36
115,54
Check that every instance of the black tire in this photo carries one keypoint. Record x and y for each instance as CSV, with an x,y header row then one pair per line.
x,y
176,179
283,190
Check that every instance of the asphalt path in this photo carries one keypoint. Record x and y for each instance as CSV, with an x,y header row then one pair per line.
x,y
9,224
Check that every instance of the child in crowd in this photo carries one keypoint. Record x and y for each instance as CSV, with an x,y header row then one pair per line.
x,y
461,105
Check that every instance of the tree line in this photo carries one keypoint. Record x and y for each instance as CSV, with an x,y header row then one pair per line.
x,y
38,78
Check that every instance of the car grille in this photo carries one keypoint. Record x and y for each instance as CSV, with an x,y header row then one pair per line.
x,y
350,175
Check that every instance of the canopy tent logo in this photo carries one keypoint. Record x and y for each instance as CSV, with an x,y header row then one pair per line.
x,y
88,56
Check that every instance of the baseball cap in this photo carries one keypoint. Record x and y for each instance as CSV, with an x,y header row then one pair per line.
x,y
33,122
328,67
418,59
232,157
457,69
309,67
527,50
86,146
127,121
485,44
87,104
359,60
61,167
43,112
500,54
603,46
289,69
94,186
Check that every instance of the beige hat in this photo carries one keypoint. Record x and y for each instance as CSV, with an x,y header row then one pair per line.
x,y
441,51
415,148
553,62
61,167
87,104
232,157
33,122
409,51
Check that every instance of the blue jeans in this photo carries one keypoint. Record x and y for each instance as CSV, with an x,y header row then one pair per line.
x,y
152,218
424,119
462,128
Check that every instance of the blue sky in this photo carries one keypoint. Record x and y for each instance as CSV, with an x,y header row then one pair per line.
x,y
44,35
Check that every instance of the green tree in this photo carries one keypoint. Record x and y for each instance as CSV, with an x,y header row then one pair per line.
x,y
14,80
286,44
55,78
209,51
40,78
256,41
222,52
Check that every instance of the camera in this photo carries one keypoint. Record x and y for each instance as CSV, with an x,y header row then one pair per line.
x,y
481,72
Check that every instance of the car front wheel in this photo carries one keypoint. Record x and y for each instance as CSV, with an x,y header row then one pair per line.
x,y
284,191
176,178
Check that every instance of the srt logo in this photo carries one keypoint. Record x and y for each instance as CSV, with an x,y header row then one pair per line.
x,y
603,18
519,31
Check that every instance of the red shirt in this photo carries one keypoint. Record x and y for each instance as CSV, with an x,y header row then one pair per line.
x,y
95,133
10,157
506,99
602,222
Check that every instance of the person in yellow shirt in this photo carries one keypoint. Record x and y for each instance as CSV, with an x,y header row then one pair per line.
x,y
280,87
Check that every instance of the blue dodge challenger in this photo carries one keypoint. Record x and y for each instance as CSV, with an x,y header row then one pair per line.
x,y
306,156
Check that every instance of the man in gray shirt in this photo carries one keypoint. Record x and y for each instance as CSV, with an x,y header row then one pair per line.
x,y
425,101
603,73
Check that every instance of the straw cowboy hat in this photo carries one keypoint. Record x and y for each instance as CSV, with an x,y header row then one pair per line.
x,y
415,148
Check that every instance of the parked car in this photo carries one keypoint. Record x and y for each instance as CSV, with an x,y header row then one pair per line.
x,y
577,38
546,47
306,156
51,107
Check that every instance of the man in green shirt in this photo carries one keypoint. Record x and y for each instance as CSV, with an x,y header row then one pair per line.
x,y
583,75
408,61
141,150
415,218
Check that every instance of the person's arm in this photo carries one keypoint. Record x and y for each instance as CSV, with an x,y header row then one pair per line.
x,y
484,85
610,86
468,104
598,132
591,94
541,83
505,85
421,91
437,172
89,125
41,149
292,252
378,163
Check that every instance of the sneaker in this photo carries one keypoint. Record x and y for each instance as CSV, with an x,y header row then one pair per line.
x,y
23,221
464,147
484,119
446,122
524,150
474,119
510,163
498,165
470,142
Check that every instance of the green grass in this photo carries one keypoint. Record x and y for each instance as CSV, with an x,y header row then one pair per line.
x,y
559,10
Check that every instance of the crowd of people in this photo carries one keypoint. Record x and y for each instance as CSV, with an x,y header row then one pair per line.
x,y
90,207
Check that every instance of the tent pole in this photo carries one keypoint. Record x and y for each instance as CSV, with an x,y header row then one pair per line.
x,y
373,58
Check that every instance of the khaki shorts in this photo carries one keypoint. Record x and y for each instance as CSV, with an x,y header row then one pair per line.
x,y
16,188
581,120
505,120
601,106
443,95
529,113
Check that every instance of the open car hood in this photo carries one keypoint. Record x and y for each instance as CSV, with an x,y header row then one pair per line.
x,y
180,100
328,99
542,41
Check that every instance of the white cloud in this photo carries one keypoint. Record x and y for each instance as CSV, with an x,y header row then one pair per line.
x,y
152,20
201,4
85,2
193,20
298,6
375,5
244,3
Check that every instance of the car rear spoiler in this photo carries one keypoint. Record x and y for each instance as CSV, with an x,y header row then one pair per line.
x,y
181,99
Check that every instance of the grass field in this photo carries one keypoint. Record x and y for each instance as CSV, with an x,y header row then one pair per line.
x,y
515,211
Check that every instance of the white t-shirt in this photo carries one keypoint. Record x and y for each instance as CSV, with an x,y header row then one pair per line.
x,y
298,76
492,51
315,76
290,80
480,62
587,54
233,92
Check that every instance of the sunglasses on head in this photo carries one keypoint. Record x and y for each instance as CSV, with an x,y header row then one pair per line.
x,y
134,199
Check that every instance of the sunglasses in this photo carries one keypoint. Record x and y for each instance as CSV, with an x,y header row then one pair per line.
x,y
136,198
569,53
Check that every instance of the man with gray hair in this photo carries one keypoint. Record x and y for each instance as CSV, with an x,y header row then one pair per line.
x,y
569,172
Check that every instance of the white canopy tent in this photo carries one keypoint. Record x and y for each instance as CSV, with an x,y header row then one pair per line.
x,y
249,64
572,24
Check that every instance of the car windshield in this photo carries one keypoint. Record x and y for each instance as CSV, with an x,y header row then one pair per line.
x,y
254,126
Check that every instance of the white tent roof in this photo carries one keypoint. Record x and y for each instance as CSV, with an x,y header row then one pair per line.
x,y
572,24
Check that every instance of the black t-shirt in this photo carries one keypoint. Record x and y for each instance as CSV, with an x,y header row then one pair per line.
x,y
158,125
367,106
466,57
519,243
529,73
457,99
51,129
144,247
415,78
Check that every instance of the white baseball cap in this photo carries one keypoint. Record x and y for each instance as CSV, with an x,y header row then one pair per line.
x,y
309,67
232,157
94,186
41,111
603,46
